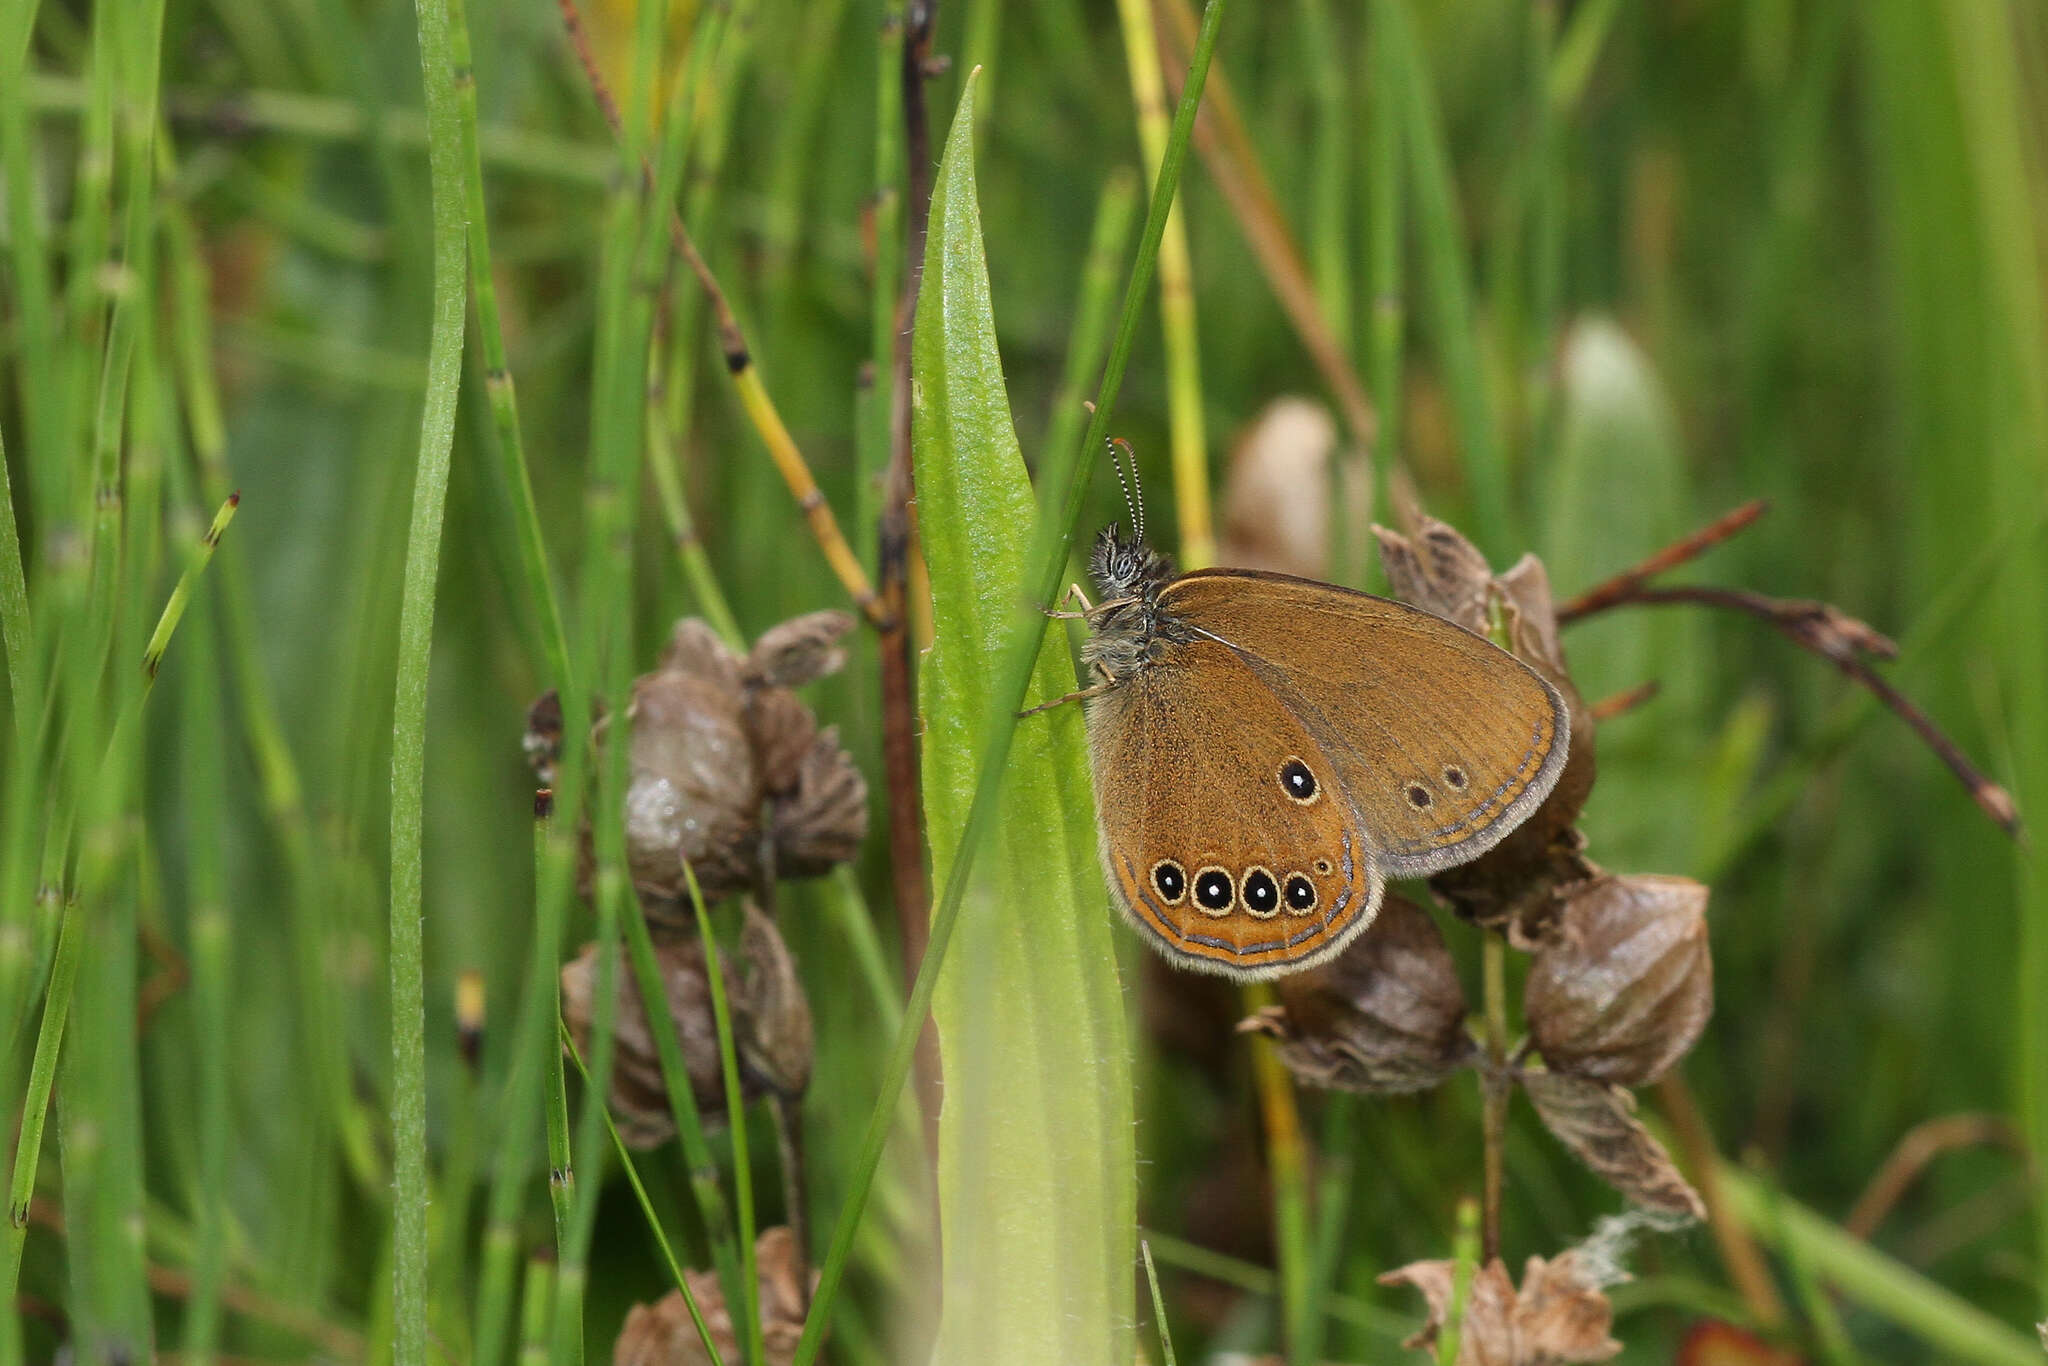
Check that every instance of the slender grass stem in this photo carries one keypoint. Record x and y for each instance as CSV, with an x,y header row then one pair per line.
x,y
64,970
1287,1156
700,1166
1958,1330
1447,275
736,1119
439,75
1189,442
498,382
568,1045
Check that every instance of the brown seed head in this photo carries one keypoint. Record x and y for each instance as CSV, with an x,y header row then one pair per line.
x,y
1623,990
821,823
661,1334
799,651
1387,1014
1559,1316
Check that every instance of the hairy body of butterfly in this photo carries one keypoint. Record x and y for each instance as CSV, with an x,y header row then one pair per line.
x,y
1268,750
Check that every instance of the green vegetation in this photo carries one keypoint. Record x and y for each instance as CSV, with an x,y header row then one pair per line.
x,y
1580,276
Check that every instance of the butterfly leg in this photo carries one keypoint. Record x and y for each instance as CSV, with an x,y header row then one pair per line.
x,y
1073,594
1096,691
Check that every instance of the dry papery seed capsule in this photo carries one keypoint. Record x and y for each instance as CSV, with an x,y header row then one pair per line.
x,y
662,1334
771,1025
1626,985
1387,1014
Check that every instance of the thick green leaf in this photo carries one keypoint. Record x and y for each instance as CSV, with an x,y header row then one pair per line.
x,y
1036,1147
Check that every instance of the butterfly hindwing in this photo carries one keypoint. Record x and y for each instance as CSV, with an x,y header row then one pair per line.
x,y
1207,784
1441,741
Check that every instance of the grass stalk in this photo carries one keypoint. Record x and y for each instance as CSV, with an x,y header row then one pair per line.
x,y
1064,478
1158,1304
568,1046
1287,1158
700,1166
536,1297
64,968
736,1120
1386,310
213,961
1959,1331
499,386
1189,442
439,76
1447,277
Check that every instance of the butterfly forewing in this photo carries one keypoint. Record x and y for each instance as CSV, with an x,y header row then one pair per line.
x,y
1441,741
1237,853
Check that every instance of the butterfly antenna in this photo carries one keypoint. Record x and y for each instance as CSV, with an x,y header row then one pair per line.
x,y
1134,499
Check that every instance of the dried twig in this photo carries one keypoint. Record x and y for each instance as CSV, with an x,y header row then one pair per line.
x,y
1232,161
739,361
1845,642
1739,1254
1921,1145
1819,627
1622,703
1619,588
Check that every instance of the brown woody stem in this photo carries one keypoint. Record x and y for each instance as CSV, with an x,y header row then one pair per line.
x,y
894,551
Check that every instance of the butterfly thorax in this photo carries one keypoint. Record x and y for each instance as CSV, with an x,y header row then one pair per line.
x,y
1129,628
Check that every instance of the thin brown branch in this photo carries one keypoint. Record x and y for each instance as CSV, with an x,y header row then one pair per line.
x,y
894,551
1739,1254
1845,643
1622,703
1921,1145
1623,585
1227,152
739,361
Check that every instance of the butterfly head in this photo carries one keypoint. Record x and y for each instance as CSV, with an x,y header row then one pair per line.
x,y
1125,567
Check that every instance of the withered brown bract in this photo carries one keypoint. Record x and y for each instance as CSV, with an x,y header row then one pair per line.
x,y
1268,750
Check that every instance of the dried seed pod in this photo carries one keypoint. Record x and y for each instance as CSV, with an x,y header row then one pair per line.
x,y
1559,1316
1625,987
1387,1014
773,1016
695,792
782,729
661,1334
1512,886
1439,571
821,823
695,648
1276,498
1597,1122
799,651
1531,615
639,1099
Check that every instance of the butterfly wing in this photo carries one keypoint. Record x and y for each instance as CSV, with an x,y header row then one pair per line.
x,y
1442,741
1209,851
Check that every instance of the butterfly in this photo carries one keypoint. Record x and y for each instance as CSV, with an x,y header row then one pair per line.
x,y
1269,750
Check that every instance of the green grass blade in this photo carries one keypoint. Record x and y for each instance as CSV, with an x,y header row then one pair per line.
x,y
1064,486
409,713
1036,1163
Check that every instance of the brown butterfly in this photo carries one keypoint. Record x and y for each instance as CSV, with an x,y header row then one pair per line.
x,y
1268,750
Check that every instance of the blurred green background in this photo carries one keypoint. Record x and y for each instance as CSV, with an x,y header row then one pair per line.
x,y
1692,253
